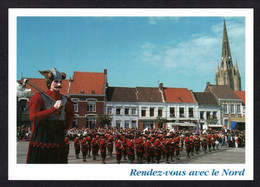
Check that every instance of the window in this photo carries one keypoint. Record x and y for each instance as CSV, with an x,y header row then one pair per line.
x,y
75,104
151,112
109,110
191,112
23,105
133,124
225,108
118,111
126,124
126,111
208,115
91,123
181,112
232,109
172,112
118,124
91,107
143,112
226,122
238,109
160,112
133,111
202,115
215,115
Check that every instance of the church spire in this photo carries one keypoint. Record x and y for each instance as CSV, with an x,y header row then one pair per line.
x,y
236,67
226,54
227,74
217,67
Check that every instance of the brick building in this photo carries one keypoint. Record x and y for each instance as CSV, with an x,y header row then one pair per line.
x,y
86,90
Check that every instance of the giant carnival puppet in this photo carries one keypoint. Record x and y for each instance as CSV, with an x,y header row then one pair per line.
x,y
52,114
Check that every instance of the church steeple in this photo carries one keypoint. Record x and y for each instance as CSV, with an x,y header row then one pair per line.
x,y
226,53
227,74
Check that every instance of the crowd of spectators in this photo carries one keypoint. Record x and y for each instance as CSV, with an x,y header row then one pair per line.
x,y
23,133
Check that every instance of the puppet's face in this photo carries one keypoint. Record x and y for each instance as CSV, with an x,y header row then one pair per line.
x,y
56,85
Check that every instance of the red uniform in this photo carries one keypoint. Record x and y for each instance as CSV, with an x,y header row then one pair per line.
x,y
124,140
77,147
209,141
94,147
204,143
130,150
84,148
197,144
103,147
88,139
177,146
67,143
147,150
171,145
119,151
187,145
139,144
166,150
157,150
191,145
110,145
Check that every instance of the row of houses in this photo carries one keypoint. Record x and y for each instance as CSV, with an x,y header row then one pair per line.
x,y
141,107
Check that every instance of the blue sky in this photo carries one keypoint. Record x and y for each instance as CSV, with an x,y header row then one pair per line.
x,y
137,51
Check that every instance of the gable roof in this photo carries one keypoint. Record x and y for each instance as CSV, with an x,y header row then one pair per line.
x,y
241,95
88,82
146,94
178,95
121,94
222,91
205,98
41,83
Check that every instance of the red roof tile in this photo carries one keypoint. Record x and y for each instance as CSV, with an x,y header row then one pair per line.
x,y
178,95
88,82
241,95
41,83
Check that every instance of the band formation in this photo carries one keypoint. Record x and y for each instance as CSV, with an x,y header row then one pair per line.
x,y
153,146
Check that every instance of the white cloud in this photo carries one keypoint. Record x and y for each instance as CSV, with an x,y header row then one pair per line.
x,y
199,54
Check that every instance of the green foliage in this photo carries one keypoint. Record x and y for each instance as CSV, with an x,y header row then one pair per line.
x,y
160,120
104,119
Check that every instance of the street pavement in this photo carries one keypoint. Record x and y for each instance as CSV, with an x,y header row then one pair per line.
x,y
222,156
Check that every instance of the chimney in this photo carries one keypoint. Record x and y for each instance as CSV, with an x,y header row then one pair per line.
x,y
161,86
105,71
208,84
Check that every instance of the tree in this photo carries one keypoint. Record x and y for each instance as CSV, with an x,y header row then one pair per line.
x,y
104,119
160,120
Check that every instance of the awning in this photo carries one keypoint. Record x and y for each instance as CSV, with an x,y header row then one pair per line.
x,y
215,125
233,125
182,124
